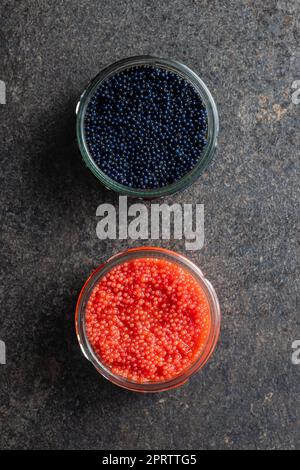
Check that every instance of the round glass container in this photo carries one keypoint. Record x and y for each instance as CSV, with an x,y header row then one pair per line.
x,y
157,253
184,72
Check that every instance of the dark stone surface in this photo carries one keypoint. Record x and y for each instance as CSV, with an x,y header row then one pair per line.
x,y
248,395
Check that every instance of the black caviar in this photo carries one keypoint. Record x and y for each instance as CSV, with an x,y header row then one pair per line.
x,y
146,127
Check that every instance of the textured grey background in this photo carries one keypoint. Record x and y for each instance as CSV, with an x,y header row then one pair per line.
x,y
248,54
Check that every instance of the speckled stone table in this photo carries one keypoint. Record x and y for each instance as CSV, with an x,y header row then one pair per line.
x,y
248,395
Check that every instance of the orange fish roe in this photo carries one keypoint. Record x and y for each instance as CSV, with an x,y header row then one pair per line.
x,y
148,320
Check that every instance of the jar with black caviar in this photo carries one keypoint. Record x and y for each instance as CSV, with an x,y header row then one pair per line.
x,y
147,127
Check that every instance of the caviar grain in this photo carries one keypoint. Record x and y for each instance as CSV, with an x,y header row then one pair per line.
x,y
146,127
148,320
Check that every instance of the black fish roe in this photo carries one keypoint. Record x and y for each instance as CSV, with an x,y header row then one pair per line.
x,y
146,127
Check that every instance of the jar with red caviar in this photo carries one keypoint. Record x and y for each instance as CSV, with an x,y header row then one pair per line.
x,y
148,319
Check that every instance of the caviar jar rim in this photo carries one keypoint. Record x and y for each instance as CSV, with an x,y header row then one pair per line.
x,y
200,87
120,258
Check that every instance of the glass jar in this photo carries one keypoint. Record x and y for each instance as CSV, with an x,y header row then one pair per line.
x,y
148,252
199,86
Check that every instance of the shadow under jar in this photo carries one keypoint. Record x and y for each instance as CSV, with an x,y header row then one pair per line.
x,y
147,127
148,319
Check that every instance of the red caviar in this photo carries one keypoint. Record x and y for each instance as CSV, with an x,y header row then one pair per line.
x,y
148,320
